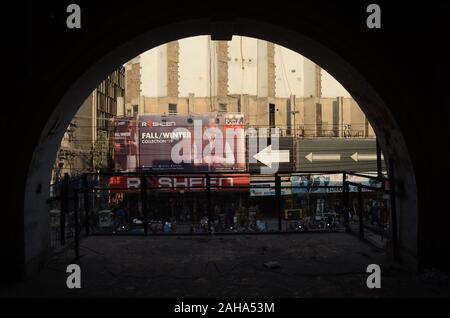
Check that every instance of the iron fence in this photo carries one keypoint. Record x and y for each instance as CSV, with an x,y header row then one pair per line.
x,y
221,203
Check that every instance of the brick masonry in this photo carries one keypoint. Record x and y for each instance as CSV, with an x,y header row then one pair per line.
x,y
271,69
133,85
318,78
173,55
222,68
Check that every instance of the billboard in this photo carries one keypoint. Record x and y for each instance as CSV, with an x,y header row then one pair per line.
x,y
204,142
312,181
331,154
126,144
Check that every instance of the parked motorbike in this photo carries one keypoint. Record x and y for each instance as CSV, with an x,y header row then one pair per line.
x,y
297,226
156,226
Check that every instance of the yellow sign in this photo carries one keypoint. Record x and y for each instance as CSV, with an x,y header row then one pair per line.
x,y
293,214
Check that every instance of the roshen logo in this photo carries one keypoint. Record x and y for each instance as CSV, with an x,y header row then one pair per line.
x,y
157,124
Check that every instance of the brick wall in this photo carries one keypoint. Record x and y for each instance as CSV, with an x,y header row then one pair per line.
x,y
173,54
271,69
318,79
222,68
133,83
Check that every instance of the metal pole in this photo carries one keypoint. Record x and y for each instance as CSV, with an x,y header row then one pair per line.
x,y
345,200
144,203
278,199
393,210
208,201
341,117
76,223
86,204
379,172
347,203
64,208
138,157
360,210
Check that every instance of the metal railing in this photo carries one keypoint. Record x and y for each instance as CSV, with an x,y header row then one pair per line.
x,y
95,204
376,222
313,131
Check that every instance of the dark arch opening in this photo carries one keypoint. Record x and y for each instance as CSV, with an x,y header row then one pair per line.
x,y
387,131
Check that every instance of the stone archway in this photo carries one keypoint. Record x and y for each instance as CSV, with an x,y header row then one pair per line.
x,y
378,113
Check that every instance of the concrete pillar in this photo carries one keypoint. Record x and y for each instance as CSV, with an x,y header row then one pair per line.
x,y
310,116
340,101
292,115
191,103
141,107
94,116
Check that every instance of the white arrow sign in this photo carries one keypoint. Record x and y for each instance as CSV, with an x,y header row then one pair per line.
x,y
323,157
267,156
359,157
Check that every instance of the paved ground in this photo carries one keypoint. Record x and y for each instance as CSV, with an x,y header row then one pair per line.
x,y
311,265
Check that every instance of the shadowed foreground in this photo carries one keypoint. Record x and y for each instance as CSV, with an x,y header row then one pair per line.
x,y
308,265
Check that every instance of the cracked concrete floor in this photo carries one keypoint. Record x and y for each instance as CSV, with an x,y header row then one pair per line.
x,y
311,265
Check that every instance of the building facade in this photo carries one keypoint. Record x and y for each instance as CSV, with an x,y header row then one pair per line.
x,y
271,85
86,143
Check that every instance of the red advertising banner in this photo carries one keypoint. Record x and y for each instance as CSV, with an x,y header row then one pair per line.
x,y
198,183
124,183
235,182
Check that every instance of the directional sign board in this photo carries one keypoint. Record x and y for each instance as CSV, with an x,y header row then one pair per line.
x,y
331,154
267,155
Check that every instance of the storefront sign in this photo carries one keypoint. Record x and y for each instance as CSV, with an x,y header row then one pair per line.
x,y
268,189
240,182
315,183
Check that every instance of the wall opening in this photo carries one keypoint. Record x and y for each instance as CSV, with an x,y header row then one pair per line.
x,y
385,128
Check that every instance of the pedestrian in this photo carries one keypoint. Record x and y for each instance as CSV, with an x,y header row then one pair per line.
x,y
230,215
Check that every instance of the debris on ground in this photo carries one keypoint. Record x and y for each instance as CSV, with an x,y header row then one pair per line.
x,y
272,265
